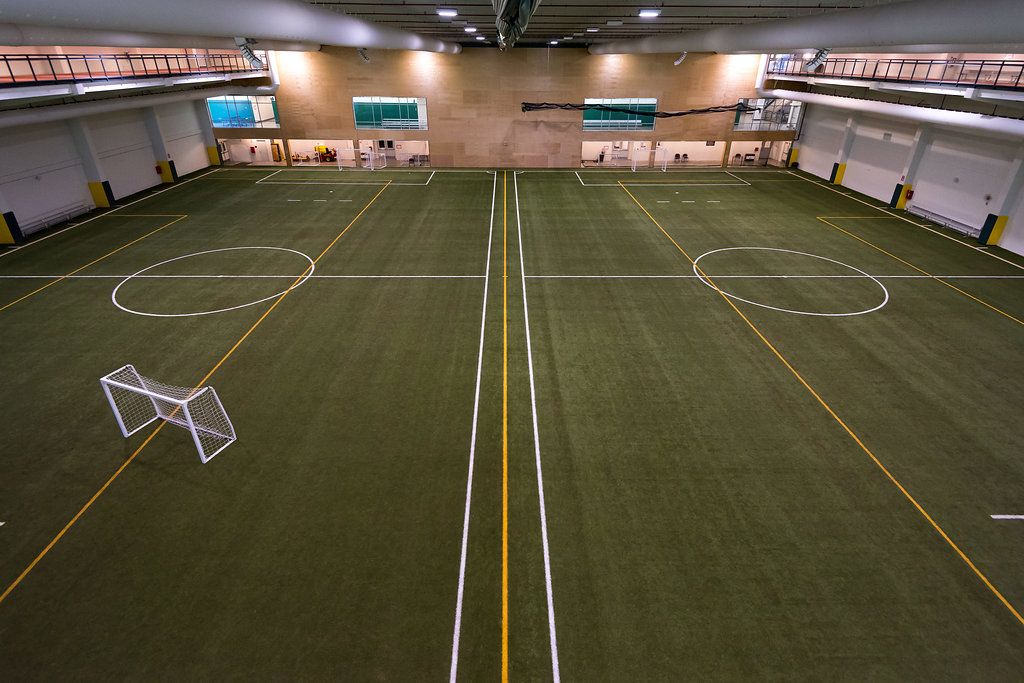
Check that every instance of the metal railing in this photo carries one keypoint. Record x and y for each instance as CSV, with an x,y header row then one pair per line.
x,y
995,73
22,70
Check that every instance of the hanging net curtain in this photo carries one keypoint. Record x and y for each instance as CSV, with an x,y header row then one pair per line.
x,y
512,17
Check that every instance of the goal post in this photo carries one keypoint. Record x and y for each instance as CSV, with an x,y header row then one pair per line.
x,y
138,401
374,160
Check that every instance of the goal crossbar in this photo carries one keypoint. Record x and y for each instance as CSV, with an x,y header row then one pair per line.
x,y
138,401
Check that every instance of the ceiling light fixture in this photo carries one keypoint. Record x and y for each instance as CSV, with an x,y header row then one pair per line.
x,y
593,30
447,12
553,42
470,29
679,61
615,22
649,13
480,38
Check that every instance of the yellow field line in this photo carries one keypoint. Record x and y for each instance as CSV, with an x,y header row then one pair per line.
x,y
124,465
920,270
94,261
504,430
924,513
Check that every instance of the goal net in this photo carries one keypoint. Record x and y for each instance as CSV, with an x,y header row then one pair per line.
x,y
374,160
137,401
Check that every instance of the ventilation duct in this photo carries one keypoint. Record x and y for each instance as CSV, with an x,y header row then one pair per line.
x,y
23,35
980,23
286,20
512,18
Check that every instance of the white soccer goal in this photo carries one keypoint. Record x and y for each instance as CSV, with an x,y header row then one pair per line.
x,y
137,401
374,160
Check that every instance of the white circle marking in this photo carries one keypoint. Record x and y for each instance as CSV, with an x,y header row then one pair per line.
x,y
113,295
700,275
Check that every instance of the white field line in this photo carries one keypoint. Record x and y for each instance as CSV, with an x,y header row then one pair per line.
x,y
8,252
536,447
780,277
907,220
477,277
269,176
1007,516
241,277
472,447
736,177
682,183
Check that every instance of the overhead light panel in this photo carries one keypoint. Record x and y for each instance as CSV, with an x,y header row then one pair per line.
x,y
480,38
447,12
615,22
593,30
470,29
649,13
553,42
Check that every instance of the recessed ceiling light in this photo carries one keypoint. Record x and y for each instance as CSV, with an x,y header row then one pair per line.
x,y
567,38
447,12
480,38
615,22
553,42
470,29
649,13
593,30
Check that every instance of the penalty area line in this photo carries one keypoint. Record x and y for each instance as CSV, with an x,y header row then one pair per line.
x,y
78,515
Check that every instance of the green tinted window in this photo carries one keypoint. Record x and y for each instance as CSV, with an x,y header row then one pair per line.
x,y
390,113
634,119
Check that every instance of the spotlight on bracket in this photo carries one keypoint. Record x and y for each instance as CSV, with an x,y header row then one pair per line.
x,y
818,59
679,61
362,53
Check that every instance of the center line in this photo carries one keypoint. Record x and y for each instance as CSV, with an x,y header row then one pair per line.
x,y
536,449
504,430
472,447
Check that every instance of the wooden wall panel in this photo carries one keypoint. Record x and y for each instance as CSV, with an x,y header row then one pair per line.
x,y
473,99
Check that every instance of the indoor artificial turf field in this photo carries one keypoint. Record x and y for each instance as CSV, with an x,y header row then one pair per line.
x,y
507,427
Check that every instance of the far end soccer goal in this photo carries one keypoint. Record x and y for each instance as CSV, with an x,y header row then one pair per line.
x,y
138,401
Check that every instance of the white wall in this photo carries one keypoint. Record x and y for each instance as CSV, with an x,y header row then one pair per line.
x,y
404,149
1013,236
183,137
41,176
879,152
698,151
820,138
962,176
239,150
958,171
125,154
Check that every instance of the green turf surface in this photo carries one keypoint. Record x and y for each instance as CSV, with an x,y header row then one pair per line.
x,y
706,516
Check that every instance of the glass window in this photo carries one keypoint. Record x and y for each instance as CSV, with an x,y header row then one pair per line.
x,y
390,113
633,119
233,111
768,114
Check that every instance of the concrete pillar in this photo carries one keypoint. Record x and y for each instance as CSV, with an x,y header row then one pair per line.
x,y
725,155
156,139
206,127
839,167
99,188
922,140
995,223
9,231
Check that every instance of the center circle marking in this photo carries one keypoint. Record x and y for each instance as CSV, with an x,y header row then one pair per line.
x,y
113,295
701,276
